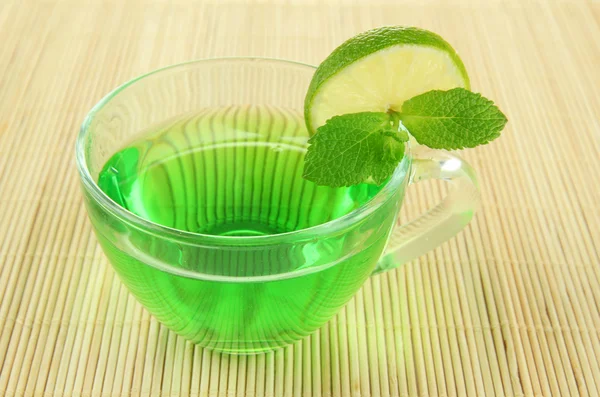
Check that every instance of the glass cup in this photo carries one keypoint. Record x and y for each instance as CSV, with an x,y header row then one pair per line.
x,y
251,293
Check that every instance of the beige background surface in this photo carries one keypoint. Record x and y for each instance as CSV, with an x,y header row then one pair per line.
x,y
509,308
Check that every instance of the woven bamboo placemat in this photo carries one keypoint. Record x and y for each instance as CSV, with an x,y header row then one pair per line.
x,y
510,307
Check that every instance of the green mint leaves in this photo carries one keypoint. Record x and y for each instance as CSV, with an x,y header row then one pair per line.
x,y
359,147
354,148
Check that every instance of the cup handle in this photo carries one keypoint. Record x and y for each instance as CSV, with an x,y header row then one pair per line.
x,y
443,221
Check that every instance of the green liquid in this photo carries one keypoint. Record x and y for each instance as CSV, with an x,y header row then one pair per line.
x,y
230,172
236,171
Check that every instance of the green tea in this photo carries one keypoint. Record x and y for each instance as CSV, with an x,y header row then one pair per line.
x,y
233,172
236,171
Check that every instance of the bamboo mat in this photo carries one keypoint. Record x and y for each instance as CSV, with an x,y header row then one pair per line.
x,y
510,307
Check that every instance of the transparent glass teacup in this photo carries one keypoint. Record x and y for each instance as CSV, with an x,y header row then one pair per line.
x,y
302,251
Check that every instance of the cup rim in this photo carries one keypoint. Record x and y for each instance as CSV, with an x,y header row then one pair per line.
x,y
200,239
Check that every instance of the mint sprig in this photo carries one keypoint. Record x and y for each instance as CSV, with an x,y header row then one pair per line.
x,y
359,147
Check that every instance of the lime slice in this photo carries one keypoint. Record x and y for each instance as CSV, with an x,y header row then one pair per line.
x,y
378,70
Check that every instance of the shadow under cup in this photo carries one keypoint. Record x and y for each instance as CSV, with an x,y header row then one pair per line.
x,y
237,294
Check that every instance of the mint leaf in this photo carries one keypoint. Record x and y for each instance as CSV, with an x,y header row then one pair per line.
x,y
353,148
452,119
